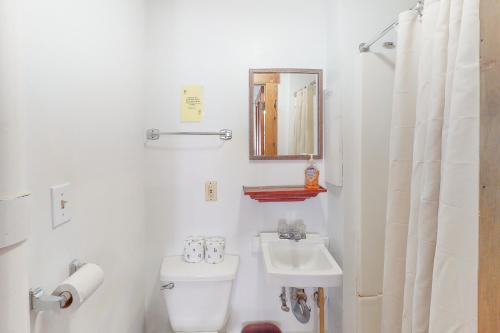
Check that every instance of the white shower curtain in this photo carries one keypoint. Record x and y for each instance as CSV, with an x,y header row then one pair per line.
x,y
430,270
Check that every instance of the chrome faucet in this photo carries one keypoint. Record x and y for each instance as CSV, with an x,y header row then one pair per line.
x,y
296,231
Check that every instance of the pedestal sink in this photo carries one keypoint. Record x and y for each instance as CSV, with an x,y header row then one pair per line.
x,y
304,263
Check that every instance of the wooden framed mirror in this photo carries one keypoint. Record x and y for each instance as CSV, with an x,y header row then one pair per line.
x,y
286,114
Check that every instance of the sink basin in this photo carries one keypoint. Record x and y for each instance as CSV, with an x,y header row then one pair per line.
x,y
306,263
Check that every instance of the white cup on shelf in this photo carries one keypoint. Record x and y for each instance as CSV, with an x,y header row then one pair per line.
x,y
194,249
215,248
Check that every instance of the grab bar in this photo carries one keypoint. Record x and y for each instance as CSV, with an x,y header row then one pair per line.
x,y
154,134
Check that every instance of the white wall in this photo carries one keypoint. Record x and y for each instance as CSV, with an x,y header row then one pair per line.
x,y
82,87
377,82
214,44
350,23
82,94
377,67
14,204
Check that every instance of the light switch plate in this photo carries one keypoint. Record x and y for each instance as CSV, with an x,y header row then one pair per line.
x,y
61,204
211,191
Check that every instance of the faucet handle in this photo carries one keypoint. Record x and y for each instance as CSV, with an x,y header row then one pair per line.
x,y
283,227
299,227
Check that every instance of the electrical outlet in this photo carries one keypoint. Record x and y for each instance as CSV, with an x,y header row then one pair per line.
x,y
211,191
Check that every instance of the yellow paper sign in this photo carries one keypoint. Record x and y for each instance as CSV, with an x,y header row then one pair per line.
x,y
192,103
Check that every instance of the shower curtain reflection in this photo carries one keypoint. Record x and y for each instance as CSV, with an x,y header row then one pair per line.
x,y
302,122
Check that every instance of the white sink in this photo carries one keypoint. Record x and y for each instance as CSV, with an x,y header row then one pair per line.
x,y
306,263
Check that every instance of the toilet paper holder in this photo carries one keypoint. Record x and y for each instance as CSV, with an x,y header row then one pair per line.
x,y
40,301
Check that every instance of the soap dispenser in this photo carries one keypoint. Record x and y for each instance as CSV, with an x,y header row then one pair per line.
x,y
311,175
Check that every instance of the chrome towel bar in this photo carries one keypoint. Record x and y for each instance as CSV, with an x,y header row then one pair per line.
x,y
155,134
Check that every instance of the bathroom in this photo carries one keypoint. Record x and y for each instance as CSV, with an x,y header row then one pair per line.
x,y
81,83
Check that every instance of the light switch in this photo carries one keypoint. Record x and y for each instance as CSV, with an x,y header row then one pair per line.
x,y
61,205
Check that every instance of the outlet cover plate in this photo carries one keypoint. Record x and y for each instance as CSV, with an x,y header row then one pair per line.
x,y
211,191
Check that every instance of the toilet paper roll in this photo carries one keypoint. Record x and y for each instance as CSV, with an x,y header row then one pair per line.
x,y
81,285
215,248
194,249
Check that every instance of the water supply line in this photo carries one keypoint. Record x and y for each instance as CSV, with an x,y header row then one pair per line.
x,y
321,305
284,306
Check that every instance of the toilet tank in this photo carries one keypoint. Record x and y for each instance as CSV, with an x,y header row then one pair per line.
x,y
198,295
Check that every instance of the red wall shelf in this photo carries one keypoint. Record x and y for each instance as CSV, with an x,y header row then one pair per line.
x,y
281,193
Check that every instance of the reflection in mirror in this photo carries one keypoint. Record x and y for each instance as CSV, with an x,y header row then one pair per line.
x,y
286,113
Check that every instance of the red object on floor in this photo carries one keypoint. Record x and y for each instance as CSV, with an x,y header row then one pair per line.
x,y
261,328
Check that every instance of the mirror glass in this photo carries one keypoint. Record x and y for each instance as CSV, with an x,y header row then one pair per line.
x,y
286,114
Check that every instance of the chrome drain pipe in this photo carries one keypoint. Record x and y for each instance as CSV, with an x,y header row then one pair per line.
x,y
300,309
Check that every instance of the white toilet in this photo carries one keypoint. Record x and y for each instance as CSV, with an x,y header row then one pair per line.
x,y
198,295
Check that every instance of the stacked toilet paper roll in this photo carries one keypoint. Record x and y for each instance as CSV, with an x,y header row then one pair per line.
x,y
81,285
215,248
194,249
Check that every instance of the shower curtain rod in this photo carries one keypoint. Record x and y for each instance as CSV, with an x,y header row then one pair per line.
x,y
365,47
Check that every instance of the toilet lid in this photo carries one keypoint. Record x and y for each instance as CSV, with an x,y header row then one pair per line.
x,y
175,269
